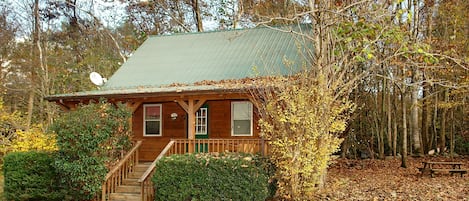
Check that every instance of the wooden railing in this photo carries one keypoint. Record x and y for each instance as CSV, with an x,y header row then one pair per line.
x,y
120,172
182,146
147,190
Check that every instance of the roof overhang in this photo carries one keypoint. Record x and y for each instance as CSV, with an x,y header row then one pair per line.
x,y
146,92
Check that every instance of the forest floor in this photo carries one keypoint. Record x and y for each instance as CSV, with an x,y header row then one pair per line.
x,y
386,180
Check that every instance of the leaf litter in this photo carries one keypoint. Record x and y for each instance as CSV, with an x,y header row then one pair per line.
x,y
386,180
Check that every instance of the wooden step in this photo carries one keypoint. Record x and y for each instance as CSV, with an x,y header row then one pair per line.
x,y
142,166
128,189
125,197
131,182
138,171
135,175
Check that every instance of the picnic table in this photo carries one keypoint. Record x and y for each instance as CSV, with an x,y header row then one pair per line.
x,y
438,166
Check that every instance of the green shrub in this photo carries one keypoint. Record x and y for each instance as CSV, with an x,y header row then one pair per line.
x,y
211,177
30,176
266,164
88,139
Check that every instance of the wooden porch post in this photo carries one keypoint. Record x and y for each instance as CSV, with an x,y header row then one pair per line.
x,y
191,107
191,113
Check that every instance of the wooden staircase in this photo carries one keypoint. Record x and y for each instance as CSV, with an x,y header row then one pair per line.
x,y
130,182
130,190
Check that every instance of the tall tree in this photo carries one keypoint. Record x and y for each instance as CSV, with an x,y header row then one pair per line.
x,y
197,15
450,31
7,39
36,62
343,47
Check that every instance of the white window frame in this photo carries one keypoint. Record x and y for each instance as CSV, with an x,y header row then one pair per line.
x,y
251,118
204,122
145,120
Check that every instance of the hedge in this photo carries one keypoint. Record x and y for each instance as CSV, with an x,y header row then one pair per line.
x,y
30,176
211,177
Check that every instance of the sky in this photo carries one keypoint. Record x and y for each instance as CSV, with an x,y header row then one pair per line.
x,y
111,13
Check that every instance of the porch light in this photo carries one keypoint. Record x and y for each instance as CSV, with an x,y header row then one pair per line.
x,y
174,116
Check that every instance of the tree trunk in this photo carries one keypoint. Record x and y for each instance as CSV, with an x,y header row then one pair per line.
x,y
425,120
415,121
442,143
389,117
404,124
451,134
29,116
404,132
382,122
434,141
35,62
237,14
394,127
198,17
344,148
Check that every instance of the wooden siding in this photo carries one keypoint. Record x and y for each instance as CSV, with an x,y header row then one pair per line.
x,y
219,114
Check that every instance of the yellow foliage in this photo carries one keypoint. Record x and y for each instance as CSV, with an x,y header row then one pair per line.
x,y
34,139
14,138
302,120
9,123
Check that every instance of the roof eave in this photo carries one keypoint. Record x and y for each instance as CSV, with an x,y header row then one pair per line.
x,y
77,97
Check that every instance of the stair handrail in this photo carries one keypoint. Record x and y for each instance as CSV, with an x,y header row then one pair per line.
x,y
120,171
144,179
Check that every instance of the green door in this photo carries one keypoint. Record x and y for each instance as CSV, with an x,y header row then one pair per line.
x,y
201,128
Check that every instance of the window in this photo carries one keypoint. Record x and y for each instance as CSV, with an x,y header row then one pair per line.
x,y
201,121
152,120
241,118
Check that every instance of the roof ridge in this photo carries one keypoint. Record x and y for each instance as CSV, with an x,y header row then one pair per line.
x,y
260,26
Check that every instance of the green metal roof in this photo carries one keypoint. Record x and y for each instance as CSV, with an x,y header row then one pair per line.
x,y
185,59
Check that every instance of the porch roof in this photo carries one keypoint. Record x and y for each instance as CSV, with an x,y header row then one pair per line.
x,y
183,62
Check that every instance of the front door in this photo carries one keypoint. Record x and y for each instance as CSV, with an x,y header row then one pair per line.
x,y
201,128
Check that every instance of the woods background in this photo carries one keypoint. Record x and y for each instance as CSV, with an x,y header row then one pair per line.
x,y
416,100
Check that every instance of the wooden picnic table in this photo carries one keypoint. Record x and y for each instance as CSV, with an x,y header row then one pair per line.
x,y
442,166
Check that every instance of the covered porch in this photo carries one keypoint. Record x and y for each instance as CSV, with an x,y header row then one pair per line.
x,y
158,120
186,112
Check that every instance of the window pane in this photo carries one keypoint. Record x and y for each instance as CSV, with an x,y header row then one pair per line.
x,y
152,112
242,127
152,127
201,121
242,111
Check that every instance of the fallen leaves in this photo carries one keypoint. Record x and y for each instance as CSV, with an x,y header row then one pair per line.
x,y
386,180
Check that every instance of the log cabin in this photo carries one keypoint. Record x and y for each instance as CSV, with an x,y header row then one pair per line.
x,y
187,93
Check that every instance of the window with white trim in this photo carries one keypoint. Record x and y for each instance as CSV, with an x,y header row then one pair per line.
x,y
152,120
241,118
201,121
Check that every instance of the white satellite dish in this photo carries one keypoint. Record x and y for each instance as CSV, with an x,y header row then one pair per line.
x,y
96,78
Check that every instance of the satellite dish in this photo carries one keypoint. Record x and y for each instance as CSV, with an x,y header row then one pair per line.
x,y
96,78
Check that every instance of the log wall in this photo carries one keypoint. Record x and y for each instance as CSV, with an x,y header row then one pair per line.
x,y
219,121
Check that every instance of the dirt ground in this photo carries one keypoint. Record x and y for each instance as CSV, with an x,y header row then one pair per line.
x,y
386,180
